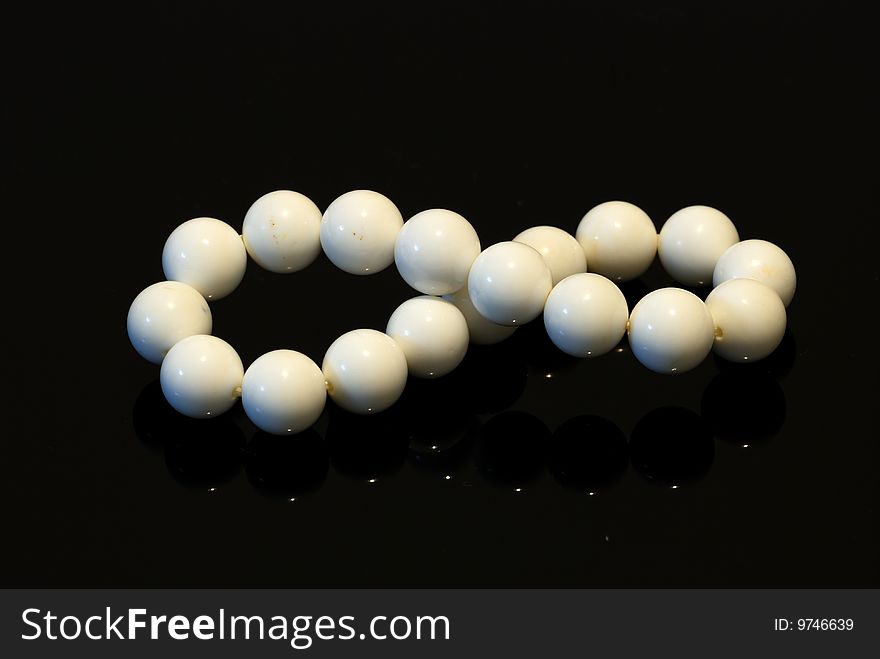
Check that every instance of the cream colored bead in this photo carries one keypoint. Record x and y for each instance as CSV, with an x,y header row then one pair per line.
x,y
434,251
432,333
481,330
562,253
671,330
760,260
691,242
207,254
619,240
201,376
283,392
508,283
163,314
358,232
749,319
282,231
365,371
585,315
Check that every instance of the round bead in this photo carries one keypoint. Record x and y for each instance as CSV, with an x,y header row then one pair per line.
x,y
509,283
207,254
671,330
585,315
619,239
481,330
749,319
761,260
562,253
691,242
434,251
282,231
163,314
358,231
365,371
201,376
283,392
432,333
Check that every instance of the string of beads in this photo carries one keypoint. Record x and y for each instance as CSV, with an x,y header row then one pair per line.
x,y
469,294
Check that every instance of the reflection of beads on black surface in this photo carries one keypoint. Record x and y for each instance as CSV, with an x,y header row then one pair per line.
x,y
588,452
437,441
669,445
744,407
152,416
197,453
283,467
204,454
366,447
445,453
672,446
492,378
511,448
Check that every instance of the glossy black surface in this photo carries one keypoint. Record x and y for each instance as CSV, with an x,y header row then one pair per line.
x,y
523,468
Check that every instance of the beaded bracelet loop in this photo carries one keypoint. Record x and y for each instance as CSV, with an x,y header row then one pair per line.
x,y
469,294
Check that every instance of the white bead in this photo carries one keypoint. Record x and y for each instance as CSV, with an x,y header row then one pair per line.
x,y
619,239
432,333
749,319
434,251
671,330
691,242
163,314
207,254
282,231
509,283
201,376
283,392
585,315
365,371
358,231
761,260
562,253
481,330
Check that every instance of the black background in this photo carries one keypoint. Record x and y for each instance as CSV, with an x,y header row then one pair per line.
x,y
121,123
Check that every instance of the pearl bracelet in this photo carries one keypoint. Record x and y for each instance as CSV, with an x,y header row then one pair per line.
x,y
469,295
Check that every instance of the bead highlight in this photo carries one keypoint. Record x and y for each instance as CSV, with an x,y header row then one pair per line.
x,y
163,314
201,376
760,260
585,315
358,231
207,254
691,242
365,371
671,330
749,318
619,240
282,231
283,392
509,283
434,251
